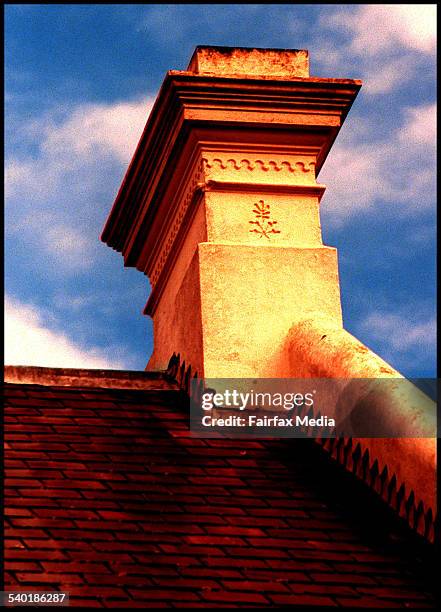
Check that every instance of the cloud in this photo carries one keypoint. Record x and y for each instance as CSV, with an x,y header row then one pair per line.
x,y
382,78
29,341
362,175
401,333
403,339
377,28
420,127
80,137
99,129
58,191
384,44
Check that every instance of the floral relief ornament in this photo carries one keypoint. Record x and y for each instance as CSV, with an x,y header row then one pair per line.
x,y
264,224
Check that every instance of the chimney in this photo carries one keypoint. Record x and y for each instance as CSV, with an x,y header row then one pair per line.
x,y
220,208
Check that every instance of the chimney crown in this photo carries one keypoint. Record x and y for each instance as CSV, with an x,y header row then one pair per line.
x,y
249,61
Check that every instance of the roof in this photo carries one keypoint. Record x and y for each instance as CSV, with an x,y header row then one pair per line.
x,y
110,498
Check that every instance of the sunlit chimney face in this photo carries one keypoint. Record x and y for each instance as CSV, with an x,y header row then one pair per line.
x,y
220,207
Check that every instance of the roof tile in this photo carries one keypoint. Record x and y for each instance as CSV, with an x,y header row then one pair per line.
x,y
110,498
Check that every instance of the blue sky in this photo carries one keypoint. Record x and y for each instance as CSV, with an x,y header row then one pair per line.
x,y
79,83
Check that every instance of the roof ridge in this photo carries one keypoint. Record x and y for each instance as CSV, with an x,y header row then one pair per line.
x,y
70,377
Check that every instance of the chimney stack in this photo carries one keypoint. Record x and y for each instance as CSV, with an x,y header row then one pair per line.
x,y
220,208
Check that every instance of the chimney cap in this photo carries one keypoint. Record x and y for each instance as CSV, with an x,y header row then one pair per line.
x,y
250,61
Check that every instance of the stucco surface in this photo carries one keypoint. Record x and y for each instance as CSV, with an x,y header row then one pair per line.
x,y
243,61
251,295
317,348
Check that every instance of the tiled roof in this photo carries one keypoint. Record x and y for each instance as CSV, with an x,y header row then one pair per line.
x,y
109,498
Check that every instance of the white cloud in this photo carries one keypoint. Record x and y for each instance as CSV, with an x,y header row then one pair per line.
x,y
385,44
401,333
376,28
405,339
28,341
77,156
84,135
97,129
380,74
16,173
420,127
398,170
383,77
71,247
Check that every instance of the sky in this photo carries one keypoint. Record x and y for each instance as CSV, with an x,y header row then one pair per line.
x,y
79,83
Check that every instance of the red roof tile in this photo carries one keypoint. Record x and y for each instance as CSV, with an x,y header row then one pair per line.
x,y
109,498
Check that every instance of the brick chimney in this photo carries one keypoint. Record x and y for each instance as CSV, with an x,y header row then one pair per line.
x,y
220,208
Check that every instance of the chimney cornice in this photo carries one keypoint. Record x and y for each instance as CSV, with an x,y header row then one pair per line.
x,y
187,100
